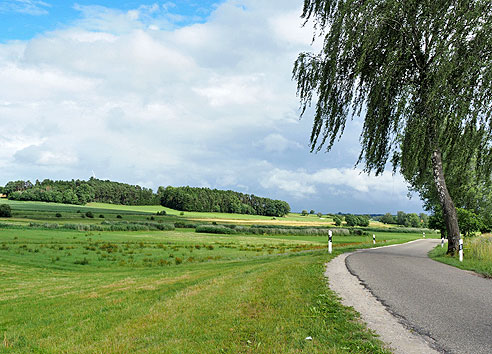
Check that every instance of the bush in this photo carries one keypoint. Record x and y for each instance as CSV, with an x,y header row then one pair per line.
x,y
119,216
162,212
89,214
351,220
5,211
304,212
58,215
214,229
101,216
82,261
337,221
184,225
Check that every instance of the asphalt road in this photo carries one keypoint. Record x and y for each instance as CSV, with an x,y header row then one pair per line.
x,y
451,306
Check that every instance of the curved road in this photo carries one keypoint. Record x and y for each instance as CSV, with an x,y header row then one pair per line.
x,y
451,306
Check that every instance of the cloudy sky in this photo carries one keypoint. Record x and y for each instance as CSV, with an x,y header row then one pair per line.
x,y
188,92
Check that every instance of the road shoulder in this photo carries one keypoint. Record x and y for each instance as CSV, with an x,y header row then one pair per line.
x,y
397,337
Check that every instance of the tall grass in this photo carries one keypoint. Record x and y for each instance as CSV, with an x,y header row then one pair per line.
x,y
477,255
480,248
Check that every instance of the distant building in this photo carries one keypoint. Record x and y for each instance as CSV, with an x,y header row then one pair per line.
x,y
3,195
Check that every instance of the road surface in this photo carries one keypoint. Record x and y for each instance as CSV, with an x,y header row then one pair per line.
x,y
451,306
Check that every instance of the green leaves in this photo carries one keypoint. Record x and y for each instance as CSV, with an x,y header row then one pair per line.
x,y
420,71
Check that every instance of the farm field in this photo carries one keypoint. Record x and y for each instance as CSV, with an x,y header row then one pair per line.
x,y
170,291
39,209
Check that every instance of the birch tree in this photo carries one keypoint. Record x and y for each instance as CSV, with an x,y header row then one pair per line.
x,y
418,71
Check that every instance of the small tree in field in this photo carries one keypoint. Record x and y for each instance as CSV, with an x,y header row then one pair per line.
x,y
387,219
337,221
420,71
304,212
5,211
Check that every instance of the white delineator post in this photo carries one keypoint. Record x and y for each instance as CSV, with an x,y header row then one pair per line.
x,y
373,239
461,250
442,241
329,241
423,233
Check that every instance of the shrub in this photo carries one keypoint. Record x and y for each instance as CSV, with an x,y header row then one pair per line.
x,y
89,214
5,211
184,225
304,212
337,221
182,213
214,229
162,212
101,216
119,216
82,261
58,215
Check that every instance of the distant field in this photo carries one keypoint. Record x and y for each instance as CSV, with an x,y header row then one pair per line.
x,y
169,291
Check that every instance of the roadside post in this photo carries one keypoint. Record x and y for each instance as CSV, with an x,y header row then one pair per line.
x,y
461,249
442,241
373,239
423,233
329,241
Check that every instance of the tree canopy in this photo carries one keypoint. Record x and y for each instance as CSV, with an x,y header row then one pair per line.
x,y
214,200
419,71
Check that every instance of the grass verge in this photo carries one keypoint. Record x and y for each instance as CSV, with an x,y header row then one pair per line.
x,y
477,256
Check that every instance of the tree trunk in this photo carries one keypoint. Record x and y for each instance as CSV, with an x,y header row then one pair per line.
x,y
448,209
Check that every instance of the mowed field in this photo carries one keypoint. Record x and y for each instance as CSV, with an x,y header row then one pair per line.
x,y
67,291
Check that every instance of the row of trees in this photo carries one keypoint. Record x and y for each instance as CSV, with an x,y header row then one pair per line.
x,y
356,220
214,200
180,198
80,192
407,220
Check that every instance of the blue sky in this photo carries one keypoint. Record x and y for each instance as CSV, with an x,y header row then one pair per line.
x,y
156,93
24,19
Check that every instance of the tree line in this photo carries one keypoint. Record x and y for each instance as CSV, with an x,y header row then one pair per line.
x,y
180,198
80,192
214,200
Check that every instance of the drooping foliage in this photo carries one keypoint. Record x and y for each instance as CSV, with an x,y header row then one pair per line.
x,y
214,200
419,71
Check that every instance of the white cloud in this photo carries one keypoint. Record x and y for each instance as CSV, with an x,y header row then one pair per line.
x,y
29,7
132,97
277,143
301,183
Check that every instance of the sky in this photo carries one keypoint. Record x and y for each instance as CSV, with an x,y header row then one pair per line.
x,y
160,93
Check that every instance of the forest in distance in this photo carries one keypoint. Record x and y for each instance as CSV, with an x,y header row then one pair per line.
x,y
180,198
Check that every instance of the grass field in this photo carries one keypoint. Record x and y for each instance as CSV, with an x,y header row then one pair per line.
x,y
38,210
64,291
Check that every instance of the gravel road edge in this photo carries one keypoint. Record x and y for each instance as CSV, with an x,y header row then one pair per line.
x,y
397,337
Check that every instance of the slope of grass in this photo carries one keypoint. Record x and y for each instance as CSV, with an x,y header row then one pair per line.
x,y
477,255
172,291
239,294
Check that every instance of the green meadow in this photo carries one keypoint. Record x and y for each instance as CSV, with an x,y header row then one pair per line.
x,y
68,291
